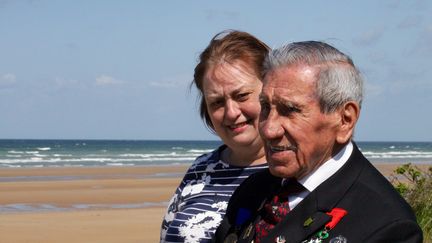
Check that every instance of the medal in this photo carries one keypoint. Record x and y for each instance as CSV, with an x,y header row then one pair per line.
x,y
231,238
323,234
336,215
280,239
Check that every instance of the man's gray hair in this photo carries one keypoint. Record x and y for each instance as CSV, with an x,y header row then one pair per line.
x,y
338,80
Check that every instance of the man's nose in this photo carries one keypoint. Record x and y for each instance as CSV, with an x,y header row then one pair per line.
x,y
271,128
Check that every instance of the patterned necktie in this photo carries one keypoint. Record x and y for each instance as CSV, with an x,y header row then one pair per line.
x,y
276,209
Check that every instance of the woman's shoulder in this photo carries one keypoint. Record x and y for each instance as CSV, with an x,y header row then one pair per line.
x,y
210,157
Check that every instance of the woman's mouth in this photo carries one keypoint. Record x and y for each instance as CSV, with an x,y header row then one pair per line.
x,y
239,127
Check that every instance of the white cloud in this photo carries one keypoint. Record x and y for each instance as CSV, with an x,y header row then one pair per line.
x,y
423,47
394,4
174,82
373,89
107,80
377,56
65,82
369,37
7,78
410,22
213,14
7,3
421,5
417,5
399,80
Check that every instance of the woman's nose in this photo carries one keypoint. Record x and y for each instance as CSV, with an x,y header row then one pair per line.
x,y
232,110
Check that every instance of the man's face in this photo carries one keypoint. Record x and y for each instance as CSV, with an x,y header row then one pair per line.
x,y
298,137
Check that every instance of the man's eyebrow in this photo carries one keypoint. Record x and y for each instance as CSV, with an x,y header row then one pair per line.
x,y
290,104
240,90
286,103
263,97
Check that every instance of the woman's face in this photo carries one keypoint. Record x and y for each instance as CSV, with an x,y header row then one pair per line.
x,y
231,92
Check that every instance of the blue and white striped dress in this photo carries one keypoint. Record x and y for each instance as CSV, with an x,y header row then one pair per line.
x,y
199,203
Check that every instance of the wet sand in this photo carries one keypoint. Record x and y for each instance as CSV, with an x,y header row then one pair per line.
x,y
103,204
115,204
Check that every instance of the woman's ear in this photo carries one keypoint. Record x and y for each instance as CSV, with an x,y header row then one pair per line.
x,y
349,114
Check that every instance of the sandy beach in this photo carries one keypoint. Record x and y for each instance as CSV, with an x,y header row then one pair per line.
x,y
148,188
96,204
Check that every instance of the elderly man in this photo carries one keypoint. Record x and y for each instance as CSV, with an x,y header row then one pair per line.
x,y
319,186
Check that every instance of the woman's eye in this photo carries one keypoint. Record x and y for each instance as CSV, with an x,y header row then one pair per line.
x,y
216,103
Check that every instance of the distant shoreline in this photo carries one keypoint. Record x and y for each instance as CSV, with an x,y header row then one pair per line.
x,y
90,153
180,140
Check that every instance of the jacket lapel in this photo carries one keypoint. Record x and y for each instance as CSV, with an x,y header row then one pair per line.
x,y
293,228
324,198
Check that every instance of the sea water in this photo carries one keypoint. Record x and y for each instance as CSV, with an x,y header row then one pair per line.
x,y
78,153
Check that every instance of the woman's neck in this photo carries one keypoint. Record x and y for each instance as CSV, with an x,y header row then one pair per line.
x,y
244,156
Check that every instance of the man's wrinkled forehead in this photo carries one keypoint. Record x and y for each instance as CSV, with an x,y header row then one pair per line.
x,y
285,75
290,82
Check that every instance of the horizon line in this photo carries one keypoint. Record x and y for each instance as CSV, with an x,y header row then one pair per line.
x,y
203,140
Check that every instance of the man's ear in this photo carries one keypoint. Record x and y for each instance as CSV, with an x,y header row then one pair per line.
x,y
349,114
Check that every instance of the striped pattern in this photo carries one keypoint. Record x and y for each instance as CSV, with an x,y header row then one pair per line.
x,y
200,202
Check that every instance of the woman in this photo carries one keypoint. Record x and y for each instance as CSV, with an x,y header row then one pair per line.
x,y
228,77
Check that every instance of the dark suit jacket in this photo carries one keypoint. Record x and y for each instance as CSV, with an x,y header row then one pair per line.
x,y
376,212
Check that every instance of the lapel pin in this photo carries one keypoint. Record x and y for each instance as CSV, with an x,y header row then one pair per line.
x,y
308,222
231,238
248,231
280,239
339,239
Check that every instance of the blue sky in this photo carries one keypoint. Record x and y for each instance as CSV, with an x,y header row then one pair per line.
x,y
121,69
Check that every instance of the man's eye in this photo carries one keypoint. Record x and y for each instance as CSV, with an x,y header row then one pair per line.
x,y
288,110
243,96
265,109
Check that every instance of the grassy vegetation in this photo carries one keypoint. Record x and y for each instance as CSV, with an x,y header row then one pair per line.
x,y
415,185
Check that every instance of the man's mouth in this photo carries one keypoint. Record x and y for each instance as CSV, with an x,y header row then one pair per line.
x,y
281,148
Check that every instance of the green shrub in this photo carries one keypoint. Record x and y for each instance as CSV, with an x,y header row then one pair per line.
x,y
415,185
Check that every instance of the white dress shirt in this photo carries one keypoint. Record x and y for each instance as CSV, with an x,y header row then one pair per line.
x,y
320,174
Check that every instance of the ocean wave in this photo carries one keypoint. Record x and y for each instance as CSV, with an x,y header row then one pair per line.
x,y
31,152
148,155
40,155
158,155
200,151
386,156
95,160
13,155
44,148
398,153
15,152
120,164
62,155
